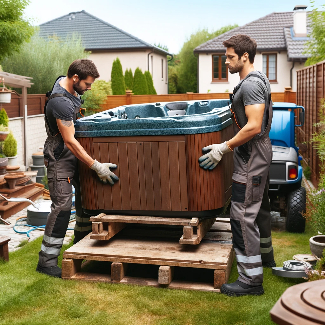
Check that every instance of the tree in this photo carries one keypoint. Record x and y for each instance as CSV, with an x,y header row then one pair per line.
x,y
128,78
151,87
14,30
187,72
44,60
117,78
316,44
140,86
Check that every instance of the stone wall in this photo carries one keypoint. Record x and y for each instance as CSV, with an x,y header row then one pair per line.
x,y
36,135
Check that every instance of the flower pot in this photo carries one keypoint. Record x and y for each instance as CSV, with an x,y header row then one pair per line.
x,y
12,161
38,159
3,135
3,165
317,245
5,96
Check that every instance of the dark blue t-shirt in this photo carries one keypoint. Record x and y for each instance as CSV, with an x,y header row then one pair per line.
x,y
62,108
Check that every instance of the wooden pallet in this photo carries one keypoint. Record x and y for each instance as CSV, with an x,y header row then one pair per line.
x,y
154,260
301,304
31,192
104,227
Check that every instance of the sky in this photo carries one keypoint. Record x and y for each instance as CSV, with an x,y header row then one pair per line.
x,y
168,22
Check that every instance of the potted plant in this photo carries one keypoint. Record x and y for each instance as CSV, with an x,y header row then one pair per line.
x,y
10,149
5,94
4,122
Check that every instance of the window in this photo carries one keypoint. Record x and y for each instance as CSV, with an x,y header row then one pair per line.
x,y
269,66
219,68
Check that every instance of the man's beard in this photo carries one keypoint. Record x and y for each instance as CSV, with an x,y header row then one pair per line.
x,y
78,89
237,68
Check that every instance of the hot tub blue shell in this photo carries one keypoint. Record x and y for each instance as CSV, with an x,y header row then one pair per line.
x,y
154,119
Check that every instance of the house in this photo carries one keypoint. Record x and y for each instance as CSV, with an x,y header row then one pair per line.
x,y
107,42
280,38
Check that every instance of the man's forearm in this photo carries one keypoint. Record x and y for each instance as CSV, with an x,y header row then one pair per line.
x,y
76,148
243,136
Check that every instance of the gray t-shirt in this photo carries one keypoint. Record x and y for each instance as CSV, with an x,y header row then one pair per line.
x,y
62,108
251,90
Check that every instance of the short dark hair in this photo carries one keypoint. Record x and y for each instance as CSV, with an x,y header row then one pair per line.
x,y
83,68
242,44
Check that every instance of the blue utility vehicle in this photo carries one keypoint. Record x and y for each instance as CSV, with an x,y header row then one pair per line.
x,y
285,190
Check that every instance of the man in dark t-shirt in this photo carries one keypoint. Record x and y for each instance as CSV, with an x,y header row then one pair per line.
x,y
61,151
252,151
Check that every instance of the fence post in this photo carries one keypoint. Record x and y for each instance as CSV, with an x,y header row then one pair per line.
x,y
287,91
189,95
128,97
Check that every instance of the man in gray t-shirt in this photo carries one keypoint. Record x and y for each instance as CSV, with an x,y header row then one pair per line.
x,y
250,209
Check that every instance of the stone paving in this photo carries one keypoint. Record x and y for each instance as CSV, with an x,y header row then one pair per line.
x,y
17,238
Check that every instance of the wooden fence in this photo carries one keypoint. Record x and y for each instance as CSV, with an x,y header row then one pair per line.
x,y
35,103
129,99
310,94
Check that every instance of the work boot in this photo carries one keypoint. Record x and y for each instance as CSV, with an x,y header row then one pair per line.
x,y
54,271
269,264
241,289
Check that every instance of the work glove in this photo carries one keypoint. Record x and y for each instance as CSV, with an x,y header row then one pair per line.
x,y
104,173
215,152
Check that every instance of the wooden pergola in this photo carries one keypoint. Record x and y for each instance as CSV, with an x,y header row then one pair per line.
x,y
17,81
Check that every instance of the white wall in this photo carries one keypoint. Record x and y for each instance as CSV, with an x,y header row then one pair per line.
x,y
133,60
36,136
283,74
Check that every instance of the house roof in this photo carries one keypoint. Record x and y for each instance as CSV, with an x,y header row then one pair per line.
x,y
271,33
96,34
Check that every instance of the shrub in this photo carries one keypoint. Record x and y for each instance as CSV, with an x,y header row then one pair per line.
x,y
117,78
151,87
4,119
44,59
10,146
140,86
128,77
94,98
307,173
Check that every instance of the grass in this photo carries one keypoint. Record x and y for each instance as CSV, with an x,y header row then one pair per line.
x,y
28,297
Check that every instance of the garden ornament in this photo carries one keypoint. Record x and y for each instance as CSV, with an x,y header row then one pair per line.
x,y
292,269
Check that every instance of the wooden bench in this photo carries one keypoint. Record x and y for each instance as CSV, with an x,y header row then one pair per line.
x,y
4,251
301,304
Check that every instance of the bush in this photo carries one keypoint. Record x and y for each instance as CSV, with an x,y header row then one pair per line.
x,y
151,87
94,98
140,86
307,173
44,60
117,78
128,77
4,119
10,146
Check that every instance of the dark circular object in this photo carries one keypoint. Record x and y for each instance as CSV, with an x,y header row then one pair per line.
x,y
296,206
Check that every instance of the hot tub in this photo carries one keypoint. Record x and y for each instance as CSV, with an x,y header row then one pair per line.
x,y
156,148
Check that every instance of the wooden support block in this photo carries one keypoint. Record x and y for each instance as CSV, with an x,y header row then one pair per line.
x,y
165,274
97,227
219,278
118,271
113,229
4,250
70,267
187,232
194,222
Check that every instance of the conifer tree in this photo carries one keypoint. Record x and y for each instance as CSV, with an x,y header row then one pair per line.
x,y
117,78
140,86
151,87
128,77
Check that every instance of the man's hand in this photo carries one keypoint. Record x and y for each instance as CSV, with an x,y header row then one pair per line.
x,y
211,159
104,173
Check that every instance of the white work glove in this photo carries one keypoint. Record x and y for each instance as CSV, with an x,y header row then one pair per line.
x,y
211,159
104,173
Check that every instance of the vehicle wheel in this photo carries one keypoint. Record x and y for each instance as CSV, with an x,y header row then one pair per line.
x,y
296,205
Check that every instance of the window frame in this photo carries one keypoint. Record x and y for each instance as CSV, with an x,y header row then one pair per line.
x,y
267,65
220,79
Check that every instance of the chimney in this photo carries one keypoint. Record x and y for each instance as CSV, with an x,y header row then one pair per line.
x,y
300,21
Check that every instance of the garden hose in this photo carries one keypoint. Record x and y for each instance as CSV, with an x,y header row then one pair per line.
x,y
20,223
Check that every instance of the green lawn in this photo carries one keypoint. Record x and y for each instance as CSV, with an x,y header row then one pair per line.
x,y
28,297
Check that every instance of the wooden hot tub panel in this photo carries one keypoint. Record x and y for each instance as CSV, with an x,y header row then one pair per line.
x,y
157,173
